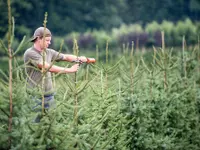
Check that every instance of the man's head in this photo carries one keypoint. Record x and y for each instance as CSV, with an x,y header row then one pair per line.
x,y
42,37
40,33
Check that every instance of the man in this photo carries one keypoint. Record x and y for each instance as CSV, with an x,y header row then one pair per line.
x,y
39,64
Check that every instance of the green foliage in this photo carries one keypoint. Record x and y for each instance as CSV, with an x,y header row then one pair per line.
x,y
102,37
152,27
119,106
126,100
142,36
125,29
188,29
69,16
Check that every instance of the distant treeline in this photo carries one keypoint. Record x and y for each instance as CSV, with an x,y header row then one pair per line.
x,y
66,16
118,38
142,36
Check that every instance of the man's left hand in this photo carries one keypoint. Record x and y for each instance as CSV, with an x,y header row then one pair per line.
x,y
82,59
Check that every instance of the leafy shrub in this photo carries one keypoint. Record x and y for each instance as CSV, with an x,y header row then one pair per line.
x,y
86,41
188,29
140,39
168,28
148,35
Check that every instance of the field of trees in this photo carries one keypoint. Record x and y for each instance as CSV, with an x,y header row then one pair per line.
x,y
134,100
143,92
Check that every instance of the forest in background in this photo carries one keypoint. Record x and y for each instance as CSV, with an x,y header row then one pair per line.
x,y
67,16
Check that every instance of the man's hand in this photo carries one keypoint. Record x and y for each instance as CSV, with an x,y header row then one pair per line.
x,y
74,68
82,59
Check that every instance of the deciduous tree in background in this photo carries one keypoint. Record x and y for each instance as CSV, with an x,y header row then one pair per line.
x,y
67,16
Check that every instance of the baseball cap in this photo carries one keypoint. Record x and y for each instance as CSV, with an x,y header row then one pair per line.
x,y
39,32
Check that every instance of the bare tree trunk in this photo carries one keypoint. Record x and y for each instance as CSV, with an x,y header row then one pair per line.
x,y
76,52
10,71
164,55
10,91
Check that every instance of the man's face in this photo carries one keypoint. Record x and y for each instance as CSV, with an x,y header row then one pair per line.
x,y
45,42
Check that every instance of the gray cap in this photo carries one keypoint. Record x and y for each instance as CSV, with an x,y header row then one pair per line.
x,y
40,32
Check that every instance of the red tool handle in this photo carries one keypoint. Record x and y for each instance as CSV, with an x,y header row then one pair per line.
x,y
90,60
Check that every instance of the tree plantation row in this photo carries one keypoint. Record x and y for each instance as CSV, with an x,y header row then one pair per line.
x,y
131,100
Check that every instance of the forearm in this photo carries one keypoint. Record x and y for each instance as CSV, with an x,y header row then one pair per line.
x,y
56,69
70,58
